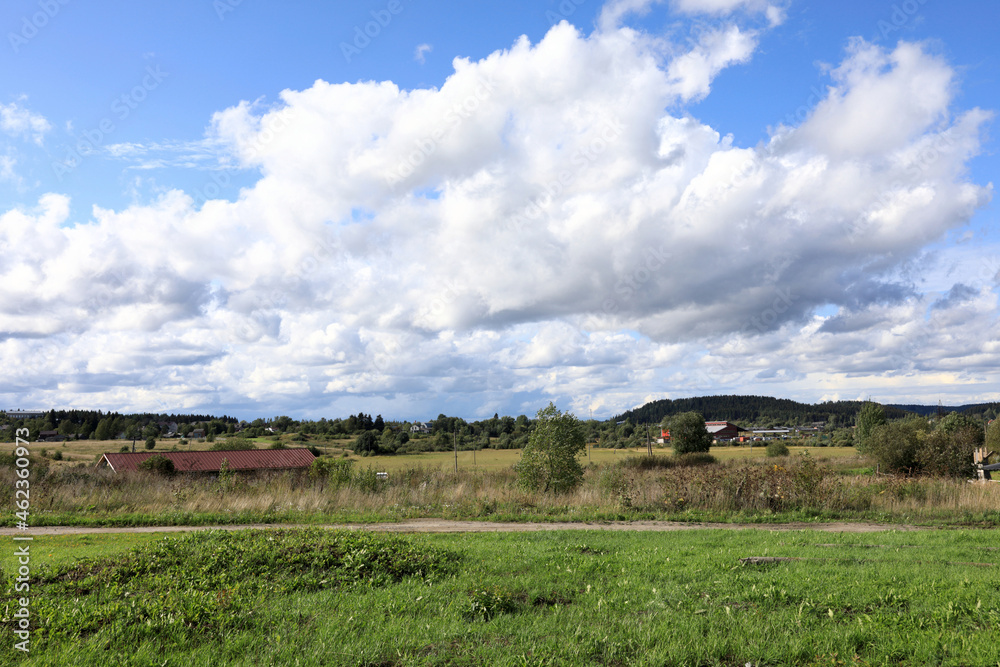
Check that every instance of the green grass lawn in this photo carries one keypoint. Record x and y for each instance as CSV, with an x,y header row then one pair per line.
x,y
560,598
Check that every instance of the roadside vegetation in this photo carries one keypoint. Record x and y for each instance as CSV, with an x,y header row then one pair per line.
x,y
571,597
695,487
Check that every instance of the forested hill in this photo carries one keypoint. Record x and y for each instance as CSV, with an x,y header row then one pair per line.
x,y
975,410
753,410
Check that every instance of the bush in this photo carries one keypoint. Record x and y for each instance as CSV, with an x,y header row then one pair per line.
x,y
150,443
696,459
277,445
123,449
158,464
337,473
777,448
231,445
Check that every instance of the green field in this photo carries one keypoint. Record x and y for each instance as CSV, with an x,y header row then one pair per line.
x,y
572,597
87,451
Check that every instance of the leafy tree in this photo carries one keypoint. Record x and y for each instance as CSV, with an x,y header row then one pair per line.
x,y
895,446
549,461
688,433
104,429
872,415
993,437
150,442
366,443
379,424
949,454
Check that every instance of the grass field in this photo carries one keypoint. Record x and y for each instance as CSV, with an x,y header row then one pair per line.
x,y
86,451
560,598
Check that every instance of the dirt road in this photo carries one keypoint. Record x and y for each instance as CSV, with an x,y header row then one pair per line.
x,y
446,526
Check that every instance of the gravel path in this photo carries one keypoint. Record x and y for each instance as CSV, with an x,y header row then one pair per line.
x,y
446,526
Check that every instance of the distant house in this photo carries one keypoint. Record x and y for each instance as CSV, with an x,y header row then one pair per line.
x,y
50,436
247,460
420,427
198,433
721,431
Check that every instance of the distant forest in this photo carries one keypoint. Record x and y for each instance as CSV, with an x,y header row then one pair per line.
x,y
754,410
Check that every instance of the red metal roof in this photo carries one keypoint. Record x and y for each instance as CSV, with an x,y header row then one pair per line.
x,y
244,459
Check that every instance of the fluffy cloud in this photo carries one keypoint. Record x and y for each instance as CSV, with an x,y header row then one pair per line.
x,y
537,226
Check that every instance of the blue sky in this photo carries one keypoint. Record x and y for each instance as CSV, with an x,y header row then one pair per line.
x,y
256,208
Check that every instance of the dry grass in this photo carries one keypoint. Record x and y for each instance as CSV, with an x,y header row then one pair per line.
x,y
738,487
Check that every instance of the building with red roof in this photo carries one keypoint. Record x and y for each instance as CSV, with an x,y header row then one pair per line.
x,y
243,460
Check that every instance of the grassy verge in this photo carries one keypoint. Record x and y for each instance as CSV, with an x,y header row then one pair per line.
x,y
796,488
312,598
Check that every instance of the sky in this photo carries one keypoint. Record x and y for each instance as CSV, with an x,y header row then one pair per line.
x,y
408,208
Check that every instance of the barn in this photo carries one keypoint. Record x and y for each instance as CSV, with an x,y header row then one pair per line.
x,y
723,430
244,460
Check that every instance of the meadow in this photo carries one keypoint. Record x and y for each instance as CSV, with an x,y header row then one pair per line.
x,y
561,598
812,484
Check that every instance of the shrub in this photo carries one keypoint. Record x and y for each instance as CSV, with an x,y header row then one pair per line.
x,y
336,472
696,459
123,449
277,445
777,448
231,445
158,464
150,443
367,480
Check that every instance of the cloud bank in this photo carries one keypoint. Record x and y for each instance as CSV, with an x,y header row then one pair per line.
x,y
548,223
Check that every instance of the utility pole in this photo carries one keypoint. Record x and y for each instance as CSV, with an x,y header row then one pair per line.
x,y
649,442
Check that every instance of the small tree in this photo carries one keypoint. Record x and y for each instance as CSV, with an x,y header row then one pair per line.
x,y
993,437
549,460
150,442
872,415
688,433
